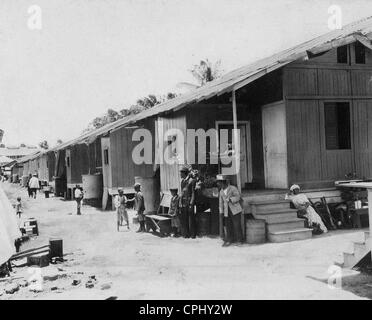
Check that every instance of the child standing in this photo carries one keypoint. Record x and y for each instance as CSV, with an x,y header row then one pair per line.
x,y
121,211
139,205
174,212
18,207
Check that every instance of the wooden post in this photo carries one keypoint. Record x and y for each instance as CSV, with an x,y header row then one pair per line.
x,y
237,156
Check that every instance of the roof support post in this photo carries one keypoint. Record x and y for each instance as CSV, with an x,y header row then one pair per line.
x,y
237,155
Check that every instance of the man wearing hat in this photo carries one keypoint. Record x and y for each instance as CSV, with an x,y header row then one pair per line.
x,y
34,185
230,208
187,202
139,205
174,211
120,203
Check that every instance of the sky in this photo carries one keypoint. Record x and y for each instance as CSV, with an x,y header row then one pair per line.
x,y
91,55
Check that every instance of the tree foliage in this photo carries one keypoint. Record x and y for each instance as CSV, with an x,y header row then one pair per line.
x,y
141,104
206,71
44,145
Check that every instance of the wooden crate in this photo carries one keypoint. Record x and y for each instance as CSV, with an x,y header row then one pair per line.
x,y
41,260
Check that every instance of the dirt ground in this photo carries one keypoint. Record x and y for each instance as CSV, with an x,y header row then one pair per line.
x,y
129,265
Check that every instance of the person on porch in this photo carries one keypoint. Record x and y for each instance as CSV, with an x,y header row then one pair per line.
x,y
302,203
231,209
187,203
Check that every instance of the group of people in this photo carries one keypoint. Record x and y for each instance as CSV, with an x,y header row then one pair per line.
x,y
183,207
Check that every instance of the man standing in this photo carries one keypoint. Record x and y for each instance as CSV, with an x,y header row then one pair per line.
x,y
187,202
230,208
78,195
34,185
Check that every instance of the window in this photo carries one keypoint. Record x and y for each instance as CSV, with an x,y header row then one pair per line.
x,y
337,125
360,53
68,161
106,156
342,54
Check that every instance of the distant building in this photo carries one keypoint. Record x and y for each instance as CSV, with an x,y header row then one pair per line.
x,y
14,152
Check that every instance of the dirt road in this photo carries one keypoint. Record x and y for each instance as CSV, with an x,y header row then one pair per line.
x,y
129,265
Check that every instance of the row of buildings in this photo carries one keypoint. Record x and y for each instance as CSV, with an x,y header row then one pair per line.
x,y
304,114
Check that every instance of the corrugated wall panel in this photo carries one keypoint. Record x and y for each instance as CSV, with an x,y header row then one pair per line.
x,y
170,173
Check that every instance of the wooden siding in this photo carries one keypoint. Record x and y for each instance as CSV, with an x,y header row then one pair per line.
x,y
301,82
362,111
303,139
51,165
169,174
106,168
79,163
333,82
43,171
361,82
308,158
122,166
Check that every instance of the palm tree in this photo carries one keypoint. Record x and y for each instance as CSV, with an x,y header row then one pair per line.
x,y
203,72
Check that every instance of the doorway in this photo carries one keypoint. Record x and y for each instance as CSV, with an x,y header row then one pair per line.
x,y
275,145
245,147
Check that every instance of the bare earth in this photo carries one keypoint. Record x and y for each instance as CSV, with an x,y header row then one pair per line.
x,y
129,265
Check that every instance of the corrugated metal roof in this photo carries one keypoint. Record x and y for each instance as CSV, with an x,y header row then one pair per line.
x,y
240,76
30,157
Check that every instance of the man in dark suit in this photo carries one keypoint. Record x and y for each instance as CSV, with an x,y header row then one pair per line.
x,y
187,203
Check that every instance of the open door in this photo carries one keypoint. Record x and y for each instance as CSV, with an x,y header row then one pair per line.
x,y
245,147
275,145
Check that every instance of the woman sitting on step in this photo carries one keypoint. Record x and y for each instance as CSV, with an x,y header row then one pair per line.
x,y
302,204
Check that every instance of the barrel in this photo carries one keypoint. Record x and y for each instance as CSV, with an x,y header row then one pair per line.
x,y
15,178
150,188
56,247
256,231
203,223
92,186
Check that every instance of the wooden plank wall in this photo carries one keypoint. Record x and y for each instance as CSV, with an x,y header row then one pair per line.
x,y
169,174
307,86
43,171
106,168
122,166
51,165
362,112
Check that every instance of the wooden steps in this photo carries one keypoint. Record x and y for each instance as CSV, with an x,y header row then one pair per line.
x,y
290,235
282,223
360,249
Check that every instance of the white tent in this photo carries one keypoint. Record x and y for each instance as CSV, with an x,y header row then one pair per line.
x,y
9,230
